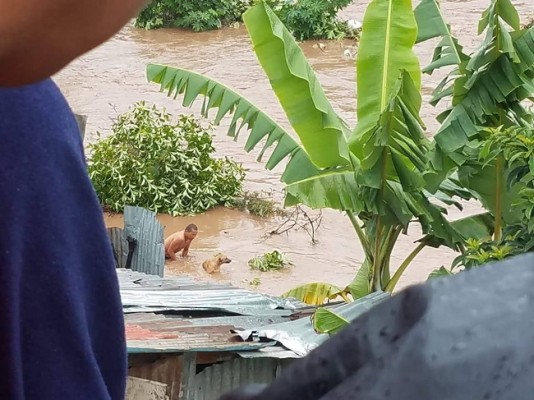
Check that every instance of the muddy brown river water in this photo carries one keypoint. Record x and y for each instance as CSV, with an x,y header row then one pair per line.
x,y
109,79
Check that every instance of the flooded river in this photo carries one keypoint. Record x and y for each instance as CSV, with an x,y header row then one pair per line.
x,y
109,79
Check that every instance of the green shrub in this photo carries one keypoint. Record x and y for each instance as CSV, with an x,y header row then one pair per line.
x,y
306,19
515,145
199,15
312,19
163,166
272,261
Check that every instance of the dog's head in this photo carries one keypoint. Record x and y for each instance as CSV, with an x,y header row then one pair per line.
x,y
222,259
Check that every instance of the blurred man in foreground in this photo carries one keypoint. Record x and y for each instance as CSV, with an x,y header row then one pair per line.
x,y
61,322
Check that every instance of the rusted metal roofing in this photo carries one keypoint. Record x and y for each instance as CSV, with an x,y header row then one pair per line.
x,y
170,335
178,314
299,335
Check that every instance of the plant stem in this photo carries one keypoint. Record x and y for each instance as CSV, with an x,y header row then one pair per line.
x,y
398,273
359,231
377,270
499,165
385,255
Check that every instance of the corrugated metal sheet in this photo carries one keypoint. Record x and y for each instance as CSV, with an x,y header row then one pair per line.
x,y
177,321
236,301
213,381
299,335
269,352
168,337
198,321
143,225
82,122
148,332
144,293
119,244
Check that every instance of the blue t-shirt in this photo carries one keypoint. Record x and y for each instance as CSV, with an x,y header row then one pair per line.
x,y
61,321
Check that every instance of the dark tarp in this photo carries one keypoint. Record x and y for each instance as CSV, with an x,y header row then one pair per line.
x,y
467,337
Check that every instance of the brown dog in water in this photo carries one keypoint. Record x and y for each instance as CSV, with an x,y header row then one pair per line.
x,y
214,264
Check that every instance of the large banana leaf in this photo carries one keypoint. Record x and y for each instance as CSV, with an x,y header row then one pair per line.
x,y
386,48
327,321
492,93
336,190
498,39
176,81
394,148
315,293
431,24
361,284
320,129
479,226
388,140
488,182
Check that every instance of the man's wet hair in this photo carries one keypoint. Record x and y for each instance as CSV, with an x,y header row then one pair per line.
x,y
191,228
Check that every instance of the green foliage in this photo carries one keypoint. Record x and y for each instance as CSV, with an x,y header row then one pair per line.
x,y
313,19
515,147
199,15
484,136
315,293
377,178
480,252
327,321
306,19
385,174
255,282
439,273
272,261
152,162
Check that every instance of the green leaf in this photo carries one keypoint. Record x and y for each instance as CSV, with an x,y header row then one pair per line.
x,y
431,24
488,183
361,284
314,293
490,93
321,131
336,190
177,81
439,273
386,48
479,227
327,321
394,152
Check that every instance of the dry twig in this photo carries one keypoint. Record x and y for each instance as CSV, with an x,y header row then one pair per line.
x,y
298,219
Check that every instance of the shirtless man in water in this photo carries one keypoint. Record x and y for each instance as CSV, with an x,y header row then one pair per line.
x,y
180,241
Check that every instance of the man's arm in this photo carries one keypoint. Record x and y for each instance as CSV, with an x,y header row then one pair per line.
x,y
38,38
186,249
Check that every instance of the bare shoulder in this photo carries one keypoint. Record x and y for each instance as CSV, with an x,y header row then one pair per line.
x,y
176,235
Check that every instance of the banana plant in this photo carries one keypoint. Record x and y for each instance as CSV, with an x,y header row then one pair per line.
x,y
487,90
375,172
